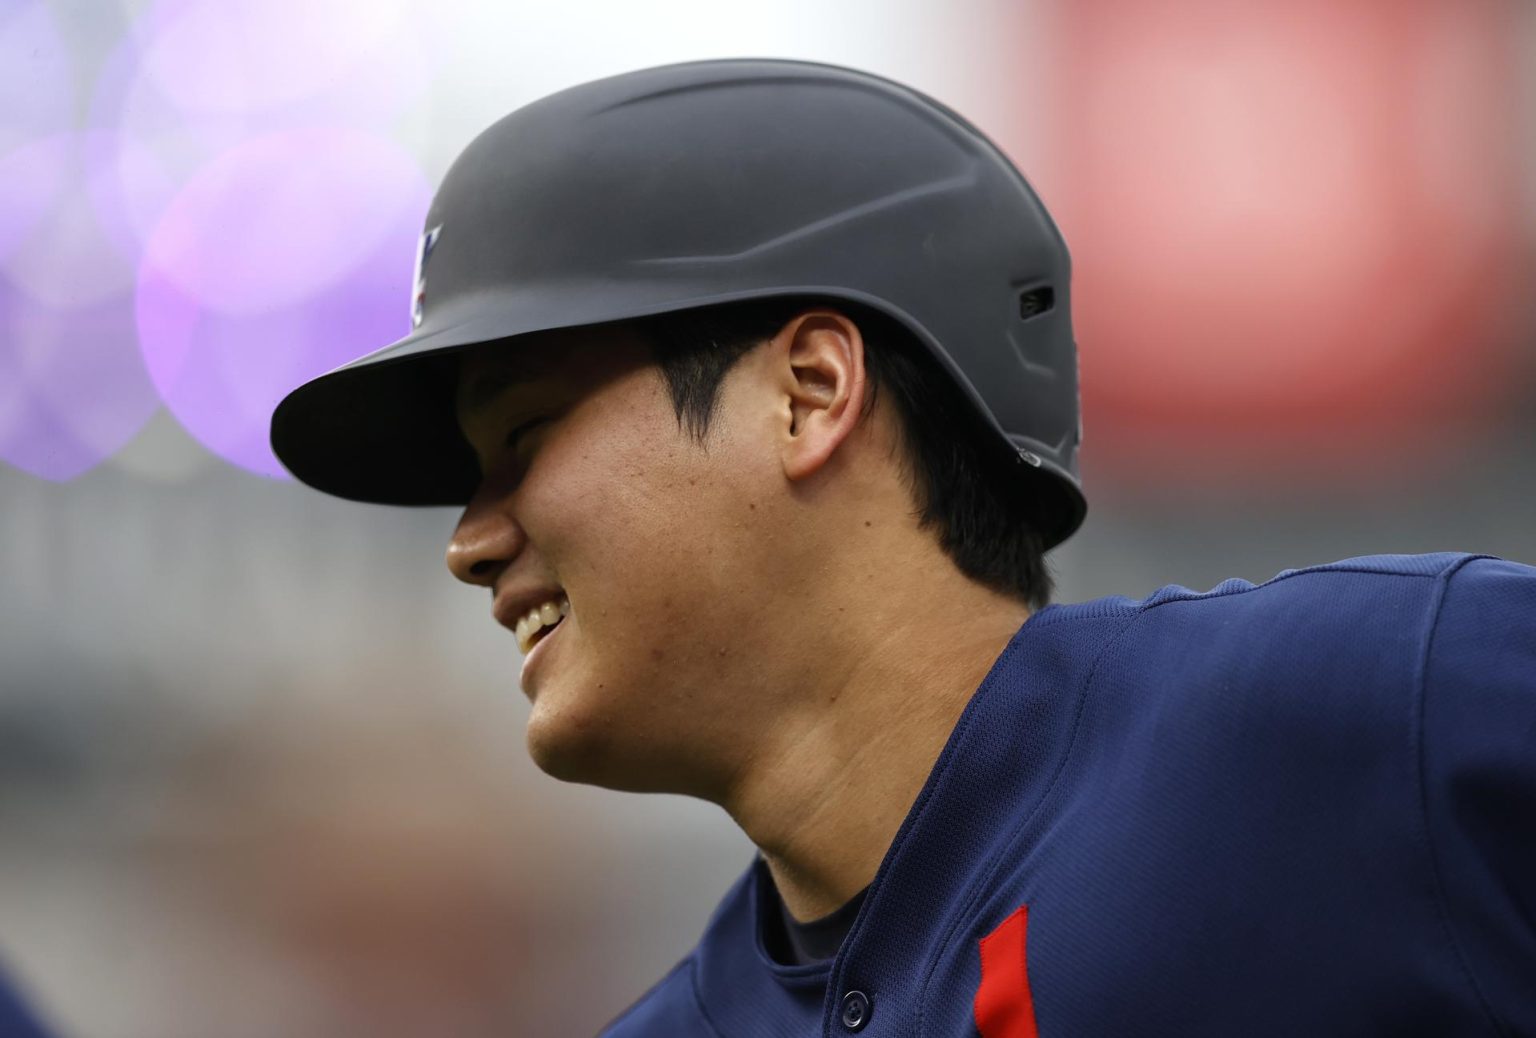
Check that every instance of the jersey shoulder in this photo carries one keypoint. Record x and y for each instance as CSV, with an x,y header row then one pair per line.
x,y
1373,609
1335,586
1365,571
669,1008
1485,628
1347,639
1479,781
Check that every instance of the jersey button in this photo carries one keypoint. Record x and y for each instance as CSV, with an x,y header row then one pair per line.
x,y
856,1009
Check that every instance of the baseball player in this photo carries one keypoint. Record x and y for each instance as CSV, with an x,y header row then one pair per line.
x,y
756,383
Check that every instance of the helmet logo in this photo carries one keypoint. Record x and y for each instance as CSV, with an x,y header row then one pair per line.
x,y
419,293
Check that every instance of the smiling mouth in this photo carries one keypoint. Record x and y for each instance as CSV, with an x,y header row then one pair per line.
x,y
539,621
543,632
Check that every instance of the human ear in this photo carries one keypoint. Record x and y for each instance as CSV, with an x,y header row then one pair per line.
x,y
822,369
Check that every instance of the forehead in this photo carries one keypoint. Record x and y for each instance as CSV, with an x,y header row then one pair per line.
x,y
566,360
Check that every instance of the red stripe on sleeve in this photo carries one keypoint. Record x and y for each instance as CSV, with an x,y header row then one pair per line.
x,y
1003,1006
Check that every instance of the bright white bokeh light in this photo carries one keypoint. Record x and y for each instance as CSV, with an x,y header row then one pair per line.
x,y
246,56
494,58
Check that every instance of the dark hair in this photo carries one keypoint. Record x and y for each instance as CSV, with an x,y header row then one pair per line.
x,y
962,484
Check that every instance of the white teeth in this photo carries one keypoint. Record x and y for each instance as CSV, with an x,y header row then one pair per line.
x,y
546,615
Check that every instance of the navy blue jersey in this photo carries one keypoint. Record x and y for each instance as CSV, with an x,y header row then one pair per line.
x,y
1302,807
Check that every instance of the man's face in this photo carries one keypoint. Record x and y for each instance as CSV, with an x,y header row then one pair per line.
x,y
658,544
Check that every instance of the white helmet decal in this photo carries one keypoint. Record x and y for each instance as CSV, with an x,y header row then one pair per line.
x,y
419,292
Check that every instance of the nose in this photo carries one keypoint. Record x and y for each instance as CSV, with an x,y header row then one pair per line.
x,y
485,542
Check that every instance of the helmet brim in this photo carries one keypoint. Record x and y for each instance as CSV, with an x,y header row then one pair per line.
x,y
383,429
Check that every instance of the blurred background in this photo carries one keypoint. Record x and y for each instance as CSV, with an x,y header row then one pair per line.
x,y
261,760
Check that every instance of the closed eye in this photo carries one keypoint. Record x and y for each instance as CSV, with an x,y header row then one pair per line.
x,y
512,437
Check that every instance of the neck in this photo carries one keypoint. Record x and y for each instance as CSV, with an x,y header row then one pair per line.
x,y
825,794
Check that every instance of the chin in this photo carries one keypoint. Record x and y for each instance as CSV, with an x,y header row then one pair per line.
x,y
562,747
573,749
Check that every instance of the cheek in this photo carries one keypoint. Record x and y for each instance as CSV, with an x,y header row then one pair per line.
x,y
649,533
654,560
620,518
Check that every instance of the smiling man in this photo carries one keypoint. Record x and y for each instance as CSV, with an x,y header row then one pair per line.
x,y
729,622
756,383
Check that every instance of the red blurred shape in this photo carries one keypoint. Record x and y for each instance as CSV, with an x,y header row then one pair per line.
x,y
1297,227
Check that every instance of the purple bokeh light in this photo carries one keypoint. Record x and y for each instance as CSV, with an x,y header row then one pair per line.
x,y
128,188
73,390
37,98
217,200
31,177
37,93
284,257
64,257
74,386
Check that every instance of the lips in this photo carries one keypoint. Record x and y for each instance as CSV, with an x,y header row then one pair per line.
x,y
542,633
535,654
512,604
